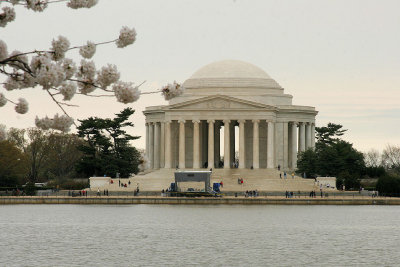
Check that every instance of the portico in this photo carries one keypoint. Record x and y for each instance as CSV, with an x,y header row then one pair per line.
x,y
243,103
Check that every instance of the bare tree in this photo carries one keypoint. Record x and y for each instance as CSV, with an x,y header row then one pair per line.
x,y
391,157
372,158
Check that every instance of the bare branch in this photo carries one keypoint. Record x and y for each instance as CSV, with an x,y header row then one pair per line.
x,y
60,106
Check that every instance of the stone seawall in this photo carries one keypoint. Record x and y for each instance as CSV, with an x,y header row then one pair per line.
x,y
198,201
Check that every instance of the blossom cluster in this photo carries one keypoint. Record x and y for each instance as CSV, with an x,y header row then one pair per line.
x,y
3,100
172,90
61,76
62,123
88,50
126,37
7,13
81,3
6,16
125,92
22,106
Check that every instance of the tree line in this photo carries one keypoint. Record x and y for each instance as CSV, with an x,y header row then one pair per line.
x,y
336,157
101,147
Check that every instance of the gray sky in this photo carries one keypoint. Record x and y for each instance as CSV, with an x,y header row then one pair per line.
x,y
342,57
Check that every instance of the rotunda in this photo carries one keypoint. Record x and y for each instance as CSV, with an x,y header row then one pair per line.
x,y
217,98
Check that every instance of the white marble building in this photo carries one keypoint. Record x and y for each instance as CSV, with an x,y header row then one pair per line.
x,y
228,94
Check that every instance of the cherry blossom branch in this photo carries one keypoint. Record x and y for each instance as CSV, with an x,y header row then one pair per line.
x,y
95,95
5,61
152,92
60,106
10,101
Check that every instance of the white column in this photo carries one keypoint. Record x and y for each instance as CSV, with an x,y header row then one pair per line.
x,y
210,143
294,145
151,145
157,133
162,145
256,144
313,135
182,155
227,143
308,135
241,145
168,162
196,144
302,137
285,145
147,140
270,145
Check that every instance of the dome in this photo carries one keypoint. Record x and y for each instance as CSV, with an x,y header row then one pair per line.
x,y
230,74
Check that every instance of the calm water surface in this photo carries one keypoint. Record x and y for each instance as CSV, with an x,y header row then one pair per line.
x,y
147,235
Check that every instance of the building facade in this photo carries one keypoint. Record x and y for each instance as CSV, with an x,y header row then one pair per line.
x,y
239,101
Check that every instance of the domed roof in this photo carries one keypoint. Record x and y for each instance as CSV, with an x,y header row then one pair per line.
x,y
230,73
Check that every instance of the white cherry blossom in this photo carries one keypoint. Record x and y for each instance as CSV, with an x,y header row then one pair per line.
x,y
22,106
50,75
6,16
62,123
11,84
126,37
38,61
68,90
81,3
3,50
107,75
19,61
87,70
44,123
86,86
125,92
88,50
69,67
59,47
172,90
3,100
36,5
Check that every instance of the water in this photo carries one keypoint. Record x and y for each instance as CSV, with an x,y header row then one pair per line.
x,y
172,235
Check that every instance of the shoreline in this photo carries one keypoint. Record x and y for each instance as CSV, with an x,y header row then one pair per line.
x,y
104,200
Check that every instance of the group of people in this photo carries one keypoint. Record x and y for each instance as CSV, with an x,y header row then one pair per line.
x,y
285,175
240,180
289,194
105,192
251,193
121,184
313,194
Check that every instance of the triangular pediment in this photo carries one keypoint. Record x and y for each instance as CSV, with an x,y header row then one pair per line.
x,y
222,102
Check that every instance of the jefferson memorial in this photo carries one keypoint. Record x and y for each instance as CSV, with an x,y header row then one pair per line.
x,y
198,128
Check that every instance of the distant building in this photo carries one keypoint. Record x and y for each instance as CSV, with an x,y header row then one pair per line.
x,y
228,94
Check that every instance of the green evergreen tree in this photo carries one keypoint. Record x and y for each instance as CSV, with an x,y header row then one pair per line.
x,y
107,149
333,157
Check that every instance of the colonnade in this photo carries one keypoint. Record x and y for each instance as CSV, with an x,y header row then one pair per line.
x,y
283,141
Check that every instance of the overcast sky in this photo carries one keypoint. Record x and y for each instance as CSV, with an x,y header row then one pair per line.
x,y
343,57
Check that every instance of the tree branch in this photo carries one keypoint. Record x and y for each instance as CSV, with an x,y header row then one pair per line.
x,y
60,106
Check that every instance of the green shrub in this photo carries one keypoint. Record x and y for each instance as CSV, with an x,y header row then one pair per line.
x,y
388,185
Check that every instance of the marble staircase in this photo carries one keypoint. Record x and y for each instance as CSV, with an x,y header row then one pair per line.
x,y
260,179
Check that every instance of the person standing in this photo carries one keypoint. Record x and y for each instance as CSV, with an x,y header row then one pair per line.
x,y
284,175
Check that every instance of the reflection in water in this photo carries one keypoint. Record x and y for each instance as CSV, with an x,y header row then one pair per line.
x,y
137,235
